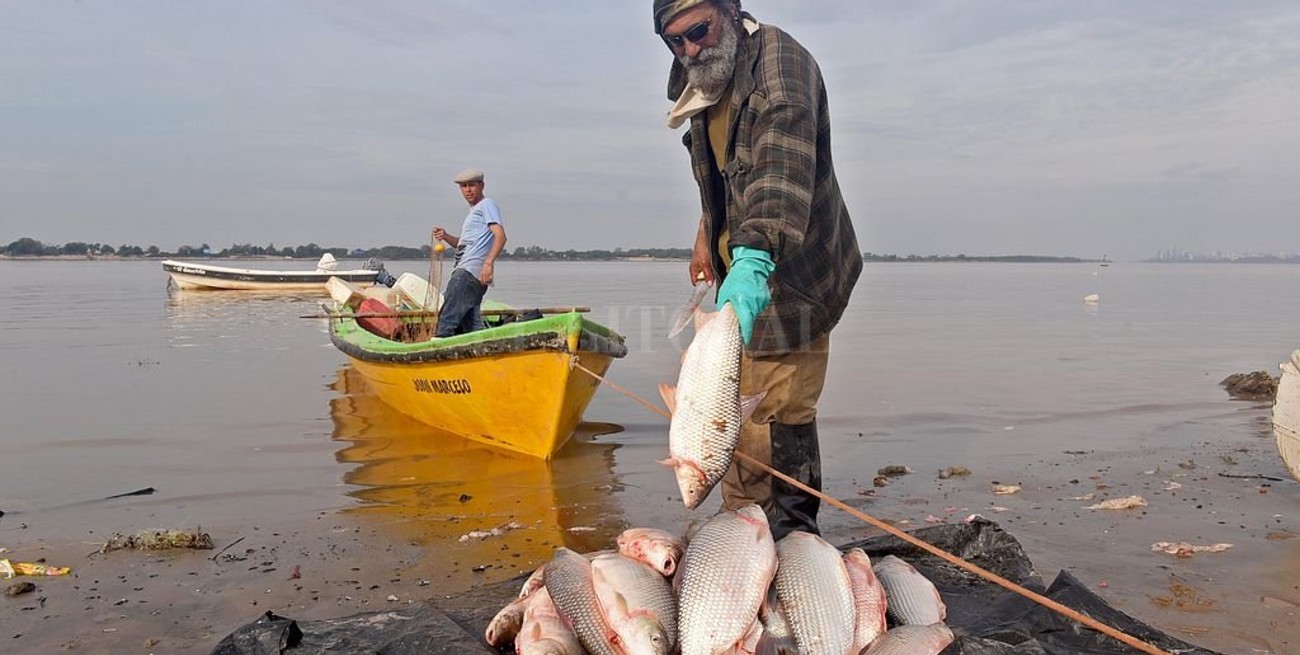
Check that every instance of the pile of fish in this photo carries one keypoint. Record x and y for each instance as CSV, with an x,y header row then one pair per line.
x,y
731,589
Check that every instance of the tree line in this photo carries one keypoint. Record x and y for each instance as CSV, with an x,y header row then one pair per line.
x,y
29,247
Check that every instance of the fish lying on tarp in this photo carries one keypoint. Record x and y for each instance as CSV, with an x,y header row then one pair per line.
x,y
987,619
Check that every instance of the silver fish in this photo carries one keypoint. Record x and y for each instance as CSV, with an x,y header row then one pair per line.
x,y
913,599
813,587
687,311
568,581
638,603
706,407
544,631
722,580
661,550
912,640
868,599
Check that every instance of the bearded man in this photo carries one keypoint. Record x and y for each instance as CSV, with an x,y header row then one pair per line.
x,y
774,229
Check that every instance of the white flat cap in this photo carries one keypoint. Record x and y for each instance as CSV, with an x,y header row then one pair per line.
x,y
468,175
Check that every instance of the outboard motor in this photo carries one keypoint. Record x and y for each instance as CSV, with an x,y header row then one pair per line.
x,y
381,276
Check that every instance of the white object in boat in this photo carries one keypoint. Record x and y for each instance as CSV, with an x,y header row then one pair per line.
x,y
416,293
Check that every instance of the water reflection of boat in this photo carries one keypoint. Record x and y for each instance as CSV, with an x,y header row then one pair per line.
x,y
437,493
1286,414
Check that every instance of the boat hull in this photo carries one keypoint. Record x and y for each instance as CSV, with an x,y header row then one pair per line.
x,y
1286,414
513,387
190,276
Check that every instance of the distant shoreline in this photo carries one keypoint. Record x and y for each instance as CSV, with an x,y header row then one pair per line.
x,y
911,259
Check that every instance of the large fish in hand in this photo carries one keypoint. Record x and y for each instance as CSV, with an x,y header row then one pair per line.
x,y
706,406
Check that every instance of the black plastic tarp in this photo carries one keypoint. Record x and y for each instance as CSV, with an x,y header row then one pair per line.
x,y
989,620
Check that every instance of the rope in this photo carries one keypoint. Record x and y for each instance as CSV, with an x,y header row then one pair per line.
x,y
919,543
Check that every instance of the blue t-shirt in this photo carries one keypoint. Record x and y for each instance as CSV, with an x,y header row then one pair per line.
x,y
475,238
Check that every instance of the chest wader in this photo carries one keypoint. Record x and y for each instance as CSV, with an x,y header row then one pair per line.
x,y
795,453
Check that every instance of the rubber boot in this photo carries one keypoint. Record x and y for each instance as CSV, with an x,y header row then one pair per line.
x,y
795,452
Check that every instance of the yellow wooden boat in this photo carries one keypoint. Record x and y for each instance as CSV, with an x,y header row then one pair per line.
x,y
513,386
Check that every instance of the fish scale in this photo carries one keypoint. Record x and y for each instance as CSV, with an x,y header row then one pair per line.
x,y
814,588
706,407
569,583
724,575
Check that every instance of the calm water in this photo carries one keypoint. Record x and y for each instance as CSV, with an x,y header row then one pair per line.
x,y
237,410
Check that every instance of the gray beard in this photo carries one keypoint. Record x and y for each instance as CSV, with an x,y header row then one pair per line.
x,y
711,72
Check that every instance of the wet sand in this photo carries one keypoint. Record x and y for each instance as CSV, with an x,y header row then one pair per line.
x,y
331,564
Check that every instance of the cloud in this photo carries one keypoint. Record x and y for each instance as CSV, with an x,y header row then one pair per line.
x,y
1052,127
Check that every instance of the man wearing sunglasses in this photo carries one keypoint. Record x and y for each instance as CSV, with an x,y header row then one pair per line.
x,y
774,229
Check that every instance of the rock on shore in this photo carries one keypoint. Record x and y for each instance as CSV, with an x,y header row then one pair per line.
x,y
1251,386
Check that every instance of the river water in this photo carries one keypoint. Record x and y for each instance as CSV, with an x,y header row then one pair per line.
x,y
238,411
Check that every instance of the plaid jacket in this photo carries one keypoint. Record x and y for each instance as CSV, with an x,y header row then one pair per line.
x,y
778,191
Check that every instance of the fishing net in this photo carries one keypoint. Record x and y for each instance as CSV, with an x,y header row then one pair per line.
x,y
989,619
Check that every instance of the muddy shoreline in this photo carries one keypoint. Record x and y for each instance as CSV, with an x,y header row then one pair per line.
x,y
333,564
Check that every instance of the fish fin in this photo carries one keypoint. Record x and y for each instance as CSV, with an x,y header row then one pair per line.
x,y
671,462
750,403
669,394
620,607
769,645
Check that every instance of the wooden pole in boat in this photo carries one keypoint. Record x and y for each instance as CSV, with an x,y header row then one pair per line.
x,y
1067,612
485,312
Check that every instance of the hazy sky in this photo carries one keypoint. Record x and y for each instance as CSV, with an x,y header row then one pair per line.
x,y
993,127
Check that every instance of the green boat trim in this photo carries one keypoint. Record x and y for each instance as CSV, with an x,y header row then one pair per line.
x,y
546,333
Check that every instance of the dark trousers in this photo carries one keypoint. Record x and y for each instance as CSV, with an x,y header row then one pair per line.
x,y
460,304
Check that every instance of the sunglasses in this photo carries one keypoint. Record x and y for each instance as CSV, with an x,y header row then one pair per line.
x,y
694,35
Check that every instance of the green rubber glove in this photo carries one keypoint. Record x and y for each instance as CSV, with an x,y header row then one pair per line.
x,y
745,286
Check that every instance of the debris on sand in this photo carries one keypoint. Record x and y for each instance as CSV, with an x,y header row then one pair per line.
x,y
494,532
10,569
1128,502
1005,489
953,471
894,471
1184,549
195,539
20,588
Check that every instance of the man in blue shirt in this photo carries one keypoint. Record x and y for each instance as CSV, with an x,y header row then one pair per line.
x,y
482,236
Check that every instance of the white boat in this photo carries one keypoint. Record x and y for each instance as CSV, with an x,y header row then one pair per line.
x,y
1286,414
190,275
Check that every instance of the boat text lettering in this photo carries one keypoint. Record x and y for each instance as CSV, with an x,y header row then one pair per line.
x,y
442,386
